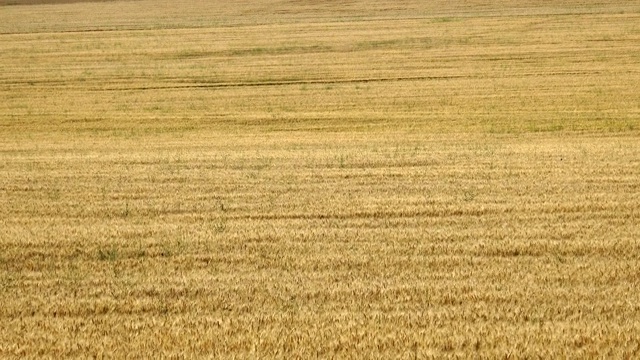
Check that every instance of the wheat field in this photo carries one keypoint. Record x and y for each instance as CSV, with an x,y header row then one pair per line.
x,y
320,179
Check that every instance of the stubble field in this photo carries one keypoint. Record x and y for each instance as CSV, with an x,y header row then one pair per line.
x,y
320,179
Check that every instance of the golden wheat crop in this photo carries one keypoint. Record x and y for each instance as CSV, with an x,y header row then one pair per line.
x,y
320,179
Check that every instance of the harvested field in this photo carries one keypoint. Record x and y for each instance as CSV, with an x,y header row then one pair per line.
x,y
337,179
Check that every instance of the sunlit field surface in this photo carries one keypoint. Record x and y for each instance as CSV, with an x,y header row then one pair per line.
x,y
320,179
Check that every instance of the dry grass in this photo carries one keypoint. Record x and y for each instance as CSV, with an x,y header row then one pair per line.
x,y
320,179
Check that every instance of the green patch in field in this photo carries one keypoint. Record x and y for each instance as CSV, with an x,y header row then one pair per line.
x,y
277,50
409,42
445,19
107,254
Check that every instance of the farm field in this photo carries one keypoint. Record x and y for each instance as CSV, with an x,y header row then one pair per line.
x,y
320,179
